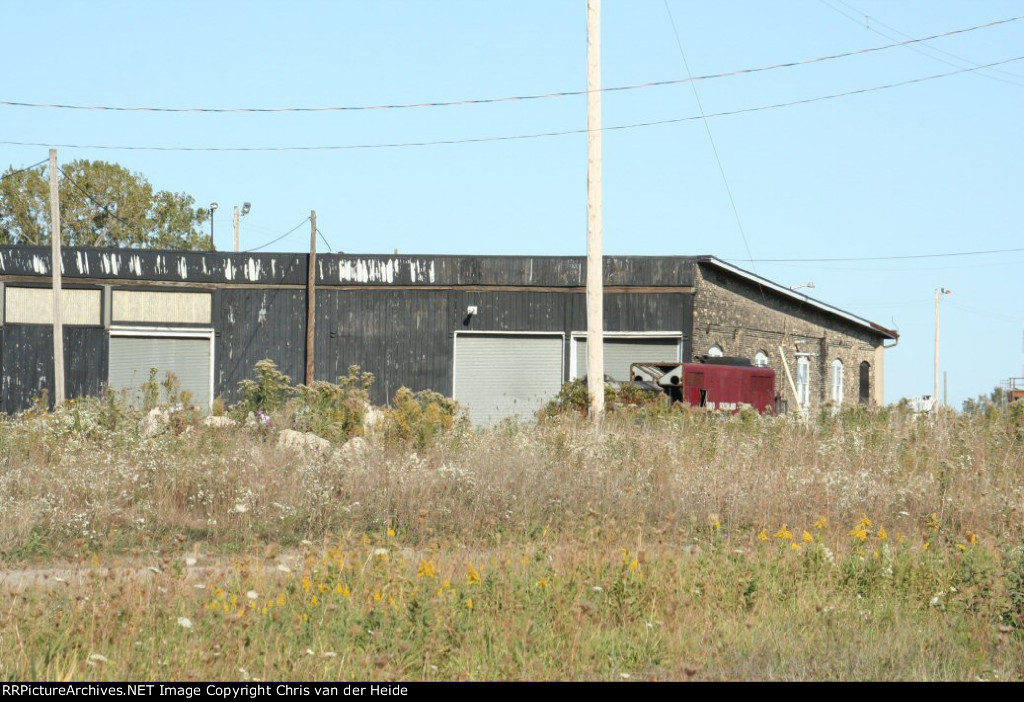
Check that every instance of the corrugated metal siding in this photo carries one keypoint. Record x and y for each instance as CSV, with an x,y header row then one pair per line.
x,y
131,359
620,353
253,324
35,306
503,375
27,363
162,307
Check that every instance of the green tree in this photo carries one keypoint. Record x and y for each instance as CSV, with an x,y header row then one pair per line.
x,y
101,204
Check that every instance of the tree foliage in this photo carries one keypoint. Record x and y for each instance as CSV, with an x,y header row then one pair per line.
x,y
101,204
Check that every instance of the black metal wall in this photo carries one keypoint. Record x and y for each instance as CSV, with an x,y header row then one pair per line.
x,y
26,356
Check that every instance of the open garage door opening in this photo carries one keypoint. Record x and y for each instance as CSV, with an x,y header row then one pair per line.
x,y
497,376
188,354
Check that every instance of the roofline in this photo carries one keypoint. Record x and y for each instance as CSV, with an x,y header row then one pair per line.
x,y
799,297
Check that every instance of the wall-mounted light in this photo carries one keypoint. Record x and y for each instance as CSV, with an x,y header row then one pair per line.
x,y
472,310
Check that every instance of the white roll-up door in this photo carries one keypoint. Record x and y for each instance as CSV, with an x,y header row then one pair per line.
x,y
131,358
621,352
506,375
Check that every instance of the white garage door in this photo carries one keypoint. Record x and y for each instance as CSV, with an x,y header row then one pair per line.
x,y
621,352
131,357
506,375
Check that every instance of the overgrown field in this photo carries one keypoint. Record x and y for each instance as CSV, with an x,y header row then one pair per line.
x,y
867,544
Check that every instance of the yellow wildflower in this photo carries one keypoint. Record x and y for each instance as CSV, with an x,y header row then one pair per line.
x,y
377,596
859,533
314,600
972,537
927,545
342,590
763,536
883,535
426,570
469,604
784,533
821,523
280,600
322,587
795,546
542,583
865,522
307,584
391,533
934,523
808,537
961,547
473,575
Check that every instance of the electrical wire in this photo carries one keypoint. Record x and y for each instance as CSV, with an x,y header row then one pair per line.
x,y
511,98
5,176
711,139
514,137
274,241
324,239
888,258
915,48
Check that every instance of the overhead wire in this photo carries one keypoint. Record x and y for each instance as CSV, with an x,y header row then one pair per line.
x,y
515,137
510,98
5,176
274,241
711,140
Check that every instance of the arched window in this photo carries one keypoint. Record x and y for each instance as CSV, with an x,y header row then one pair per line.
x,y
803,380
865,383
761,359
716,351
837,381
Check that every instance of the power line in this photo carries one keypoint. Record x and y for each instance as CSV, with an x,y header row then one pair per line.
x,y
510,98
515,137
915,48
274,241
711,139
324,239
887,258
5,176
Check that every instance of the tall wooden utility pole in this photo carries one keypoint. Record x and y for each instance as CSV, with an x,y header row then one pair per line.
x,y
55,260
311,300
237,237
595,233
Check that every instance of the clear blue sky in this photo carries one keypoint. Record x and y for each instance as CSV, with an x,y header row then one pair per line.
x,y
928,168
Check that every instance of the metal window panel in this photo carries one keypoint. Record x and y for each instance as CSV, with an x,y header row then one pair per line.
x,y
497,376
35,306
131,358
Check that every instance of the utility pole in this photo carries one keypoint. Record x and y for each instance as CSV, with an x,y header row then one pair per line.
x,y
595,233
55,261
311,299
237,241
939,292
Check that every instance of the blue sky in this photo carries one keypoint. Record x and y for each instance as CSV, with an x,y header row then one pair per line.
x,y
932,167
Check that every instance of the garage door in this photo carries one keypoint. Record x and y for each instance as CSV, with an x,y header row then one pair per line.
x,y
620,352
503,375
131,357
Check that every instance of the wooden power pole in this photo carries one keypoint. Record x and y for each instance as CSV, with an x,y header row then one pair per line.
x,y
311,300
595,234
55,266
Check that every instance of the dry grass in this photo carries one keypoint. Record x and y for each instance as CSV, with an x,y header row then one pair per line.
x,y
666,545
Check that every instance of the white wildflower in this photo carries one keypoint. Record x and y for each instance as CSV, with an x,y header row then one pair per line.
x,y
185,622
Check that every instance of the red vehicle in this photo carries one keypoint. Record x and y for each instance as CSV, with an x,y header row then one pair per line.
x,y
722,383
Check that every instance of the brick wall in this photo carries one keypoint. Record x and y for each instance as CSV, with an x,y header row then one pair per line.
x,y
742,318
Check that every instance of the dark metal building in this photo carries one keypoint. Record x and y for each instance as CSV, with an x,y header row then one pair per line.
x,y
500,334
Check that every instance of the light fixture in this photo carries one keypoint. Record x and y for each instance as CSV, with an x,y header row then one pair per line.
x,y
808,285
471,310
246,206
